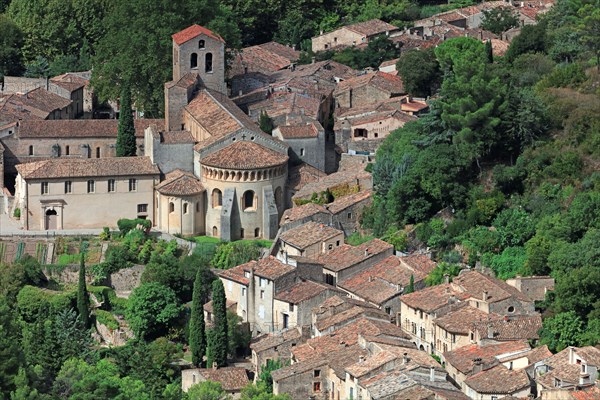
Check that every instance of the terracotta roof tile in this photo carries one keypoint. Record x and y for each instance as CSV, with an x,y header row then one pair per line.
x,y
348,316
180,183
379,80
308,234
389,63
44,100
342,203
266,58
346,256
350,177
76,128
244,155
304,211
475,283
70,81
302,174
511,328
270,340
283,103
177,137
590,393
463,358
302,291
91,167
299,131
432,298
371,27
232,379
193,31
461,320
498,380
561,368
269,268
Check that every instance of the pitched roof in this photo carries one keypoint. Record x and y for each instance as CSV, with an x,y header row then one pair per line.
x,y
302,291
77,128
381,281
351,177
510,328
269,268
463,358
348,316
299,131
177,137
562,368
244,155
303,211
460,320
283,103
308,234
475,283
346,256
342,203
432,298
44,100
498,380
193,31
379,80
69,81
232,379
88,168
266,57
302,174
180,183
270,340
371,27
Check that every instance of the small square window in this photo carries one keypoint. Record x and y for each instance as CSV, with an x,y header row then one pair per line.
x,y
330,246
44,187
262,294
291,307
349,215
142,208
243,291
317,373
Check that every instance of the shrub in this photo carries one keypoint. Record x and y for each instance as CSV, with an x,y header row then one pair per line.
x,y
17,213
106,318
105,234
125,225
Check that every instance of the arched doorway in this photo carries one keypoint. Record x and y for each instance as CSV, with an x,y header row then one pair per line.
x,y
51,219
215,231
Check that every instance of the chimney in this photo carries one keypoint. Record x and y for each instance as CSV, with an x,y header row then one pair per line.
x,y
366,252
490,331
370,278
571,355
313,60
477,365
432,374
405,358
447,280
506,318
361,359
485,295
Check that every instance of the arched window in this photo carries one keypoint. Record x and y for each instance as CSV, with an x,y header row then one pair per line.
x,y
185,208
248,200
194,60
208,66
217,198
201,44
257,232
171,207
215,231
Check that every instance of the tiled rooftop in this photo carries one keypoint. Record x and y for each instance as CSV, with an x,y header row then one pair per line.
x,y
302,291
461,320
341,203
78,128
379,80
193,31
432,298
244,155
511,328
350,177
232,379
270,340
561,367
303,211
70,81
475,283
269,268
371,27
180,183
87,168
308,234
463,358
302,174
305,131
347,256
498,380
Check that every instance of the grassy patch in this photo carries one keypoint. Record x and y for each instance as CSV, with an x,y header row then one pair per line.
x,y
106,318
206,239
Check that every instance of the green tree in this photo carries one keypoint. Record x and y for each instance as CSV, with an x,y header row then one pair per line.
x,y
589,27
23,390
265,378
499,20
207,390
420,72
197,334
126,146
439,273
489,51
152,309
260,391
83,300
532,39
10,353
220,331
562,330
231,254
11,40
266,123
411,285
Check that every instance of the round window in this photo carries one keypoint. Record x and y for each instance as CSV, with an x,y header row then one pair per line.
x,y
511,309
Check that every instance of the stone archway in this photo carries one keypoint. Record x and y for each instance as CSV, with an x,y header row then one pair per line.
x,y
51,219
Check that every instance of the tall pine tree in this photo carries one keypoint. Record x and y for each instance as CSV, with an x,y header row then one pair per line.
x,y
489,51
197,327
83,300
220,339
126,146
411,285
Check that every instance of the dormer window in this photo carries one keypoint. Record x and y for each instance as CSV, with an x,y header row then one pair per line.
x,y
201,44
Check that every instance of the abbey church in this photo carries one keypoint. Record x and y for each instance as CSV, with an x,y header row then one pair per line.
x,y
207,168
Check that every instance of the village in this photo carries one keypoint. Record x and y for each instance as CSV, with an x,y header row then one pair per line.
x,y
260,147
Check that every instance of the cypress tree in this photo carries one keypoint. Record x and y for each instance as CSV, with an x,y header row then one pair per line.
x,y
220,339
83,300
489,51
265,123
411,285
126,146
197,327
